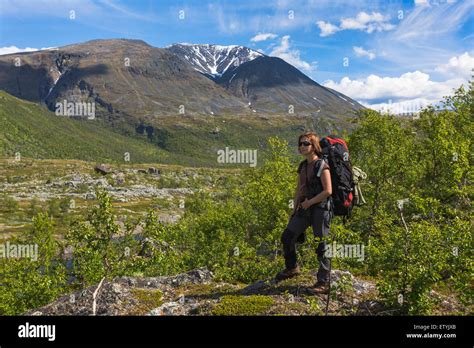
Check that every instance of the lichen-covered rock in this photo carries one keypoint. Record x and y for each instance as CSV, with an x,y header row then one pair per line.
x,y
112,299
197,293
118,297
197,276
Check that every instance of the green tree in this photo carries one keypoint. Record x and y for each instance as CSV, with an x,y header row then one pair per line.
x,y
32,282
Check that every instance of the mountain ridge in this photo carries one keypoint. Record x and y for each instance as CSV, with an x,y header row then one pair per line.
x,y
161,81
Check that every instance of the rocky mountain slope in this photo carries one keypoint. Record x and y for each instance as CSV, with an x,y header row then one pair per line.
x,y
123,77
130,80
270,84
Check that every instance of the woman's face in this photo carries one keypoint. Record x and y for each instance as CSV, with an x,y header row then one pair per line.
x,y
305,147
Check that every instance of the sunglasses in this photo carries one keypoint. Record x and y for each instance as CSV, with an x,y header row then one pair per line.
x,y
305,143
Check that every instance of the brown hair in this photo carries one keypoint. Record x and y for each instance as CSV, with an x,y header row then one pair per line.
x,y
314,140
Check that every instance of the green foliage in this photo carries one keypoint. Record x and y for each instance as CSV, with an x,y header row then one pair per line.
x,y
161,254
147,300
100,248
444,151
382,147
427,163
35,281
234,229
243,305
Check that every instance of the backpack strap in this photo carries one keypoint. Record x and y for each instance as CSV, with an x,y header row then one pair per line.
x,y
300,166
321,166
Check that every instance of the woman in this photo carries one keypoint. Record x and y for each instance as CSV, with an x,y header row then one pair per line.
x,y
312,207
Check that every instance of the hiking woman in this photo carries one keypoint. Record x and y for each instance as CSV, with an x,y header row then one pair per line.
x,y
312,207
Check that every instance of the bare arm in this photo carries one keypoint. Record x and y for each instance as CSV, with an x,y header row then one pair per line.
x,y
327,188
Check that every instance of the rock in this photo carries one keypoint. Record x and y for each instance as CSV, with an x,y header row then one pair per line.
x,y
170,308
362,287
90,196
153,170
102,182
336,275
169,218
198,276
112,299
115,297
255,287
102,169
184,306
197,293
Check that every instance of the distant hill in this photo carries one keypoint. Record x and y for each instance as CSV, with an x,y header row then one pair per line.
x,y
130,80
179,104
33,131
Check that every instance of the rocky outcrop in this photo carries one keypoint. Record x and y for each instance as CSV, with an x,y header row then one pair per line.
x,y
198,293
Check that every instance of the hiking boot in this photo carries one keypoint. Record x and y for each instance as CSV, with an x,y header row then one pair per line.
x,y
320,288
287,274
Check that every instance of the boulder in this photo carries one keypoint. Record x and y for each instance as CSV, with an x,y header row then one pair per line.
x,y
102,169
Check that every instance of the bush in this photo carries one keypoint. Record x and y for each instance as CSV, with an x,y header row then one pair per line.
x,y
32,282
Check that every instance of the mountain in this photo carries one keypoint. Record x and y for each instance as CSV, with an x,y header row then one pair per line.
x,y
34,131
129,80
214,60
266,84
123,77
186,100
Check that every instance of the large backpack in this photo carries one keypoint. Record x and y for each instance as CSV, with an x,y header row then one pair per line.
x,y
336,153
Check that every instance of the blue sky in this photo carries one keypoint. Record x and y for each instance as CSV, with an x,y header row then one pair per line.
x,y
404,53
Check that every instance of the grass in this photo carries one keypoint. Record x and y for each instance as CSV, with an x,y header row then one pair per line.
x,y
243,305
34,131
147,300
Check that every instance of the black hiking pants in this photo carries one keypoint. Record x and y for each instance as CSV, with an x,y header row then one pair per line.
x,y
320,220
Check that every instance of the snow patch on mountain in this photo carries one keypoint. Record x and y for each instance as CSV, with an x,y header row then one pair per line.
x,y
214,60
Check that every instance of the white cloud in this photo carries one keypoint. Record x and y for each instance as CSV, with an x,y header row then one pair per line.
x,y
263,36
327,28
422,3
402,107
363,21
291,55
408,86
14,49
361,52
460,66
